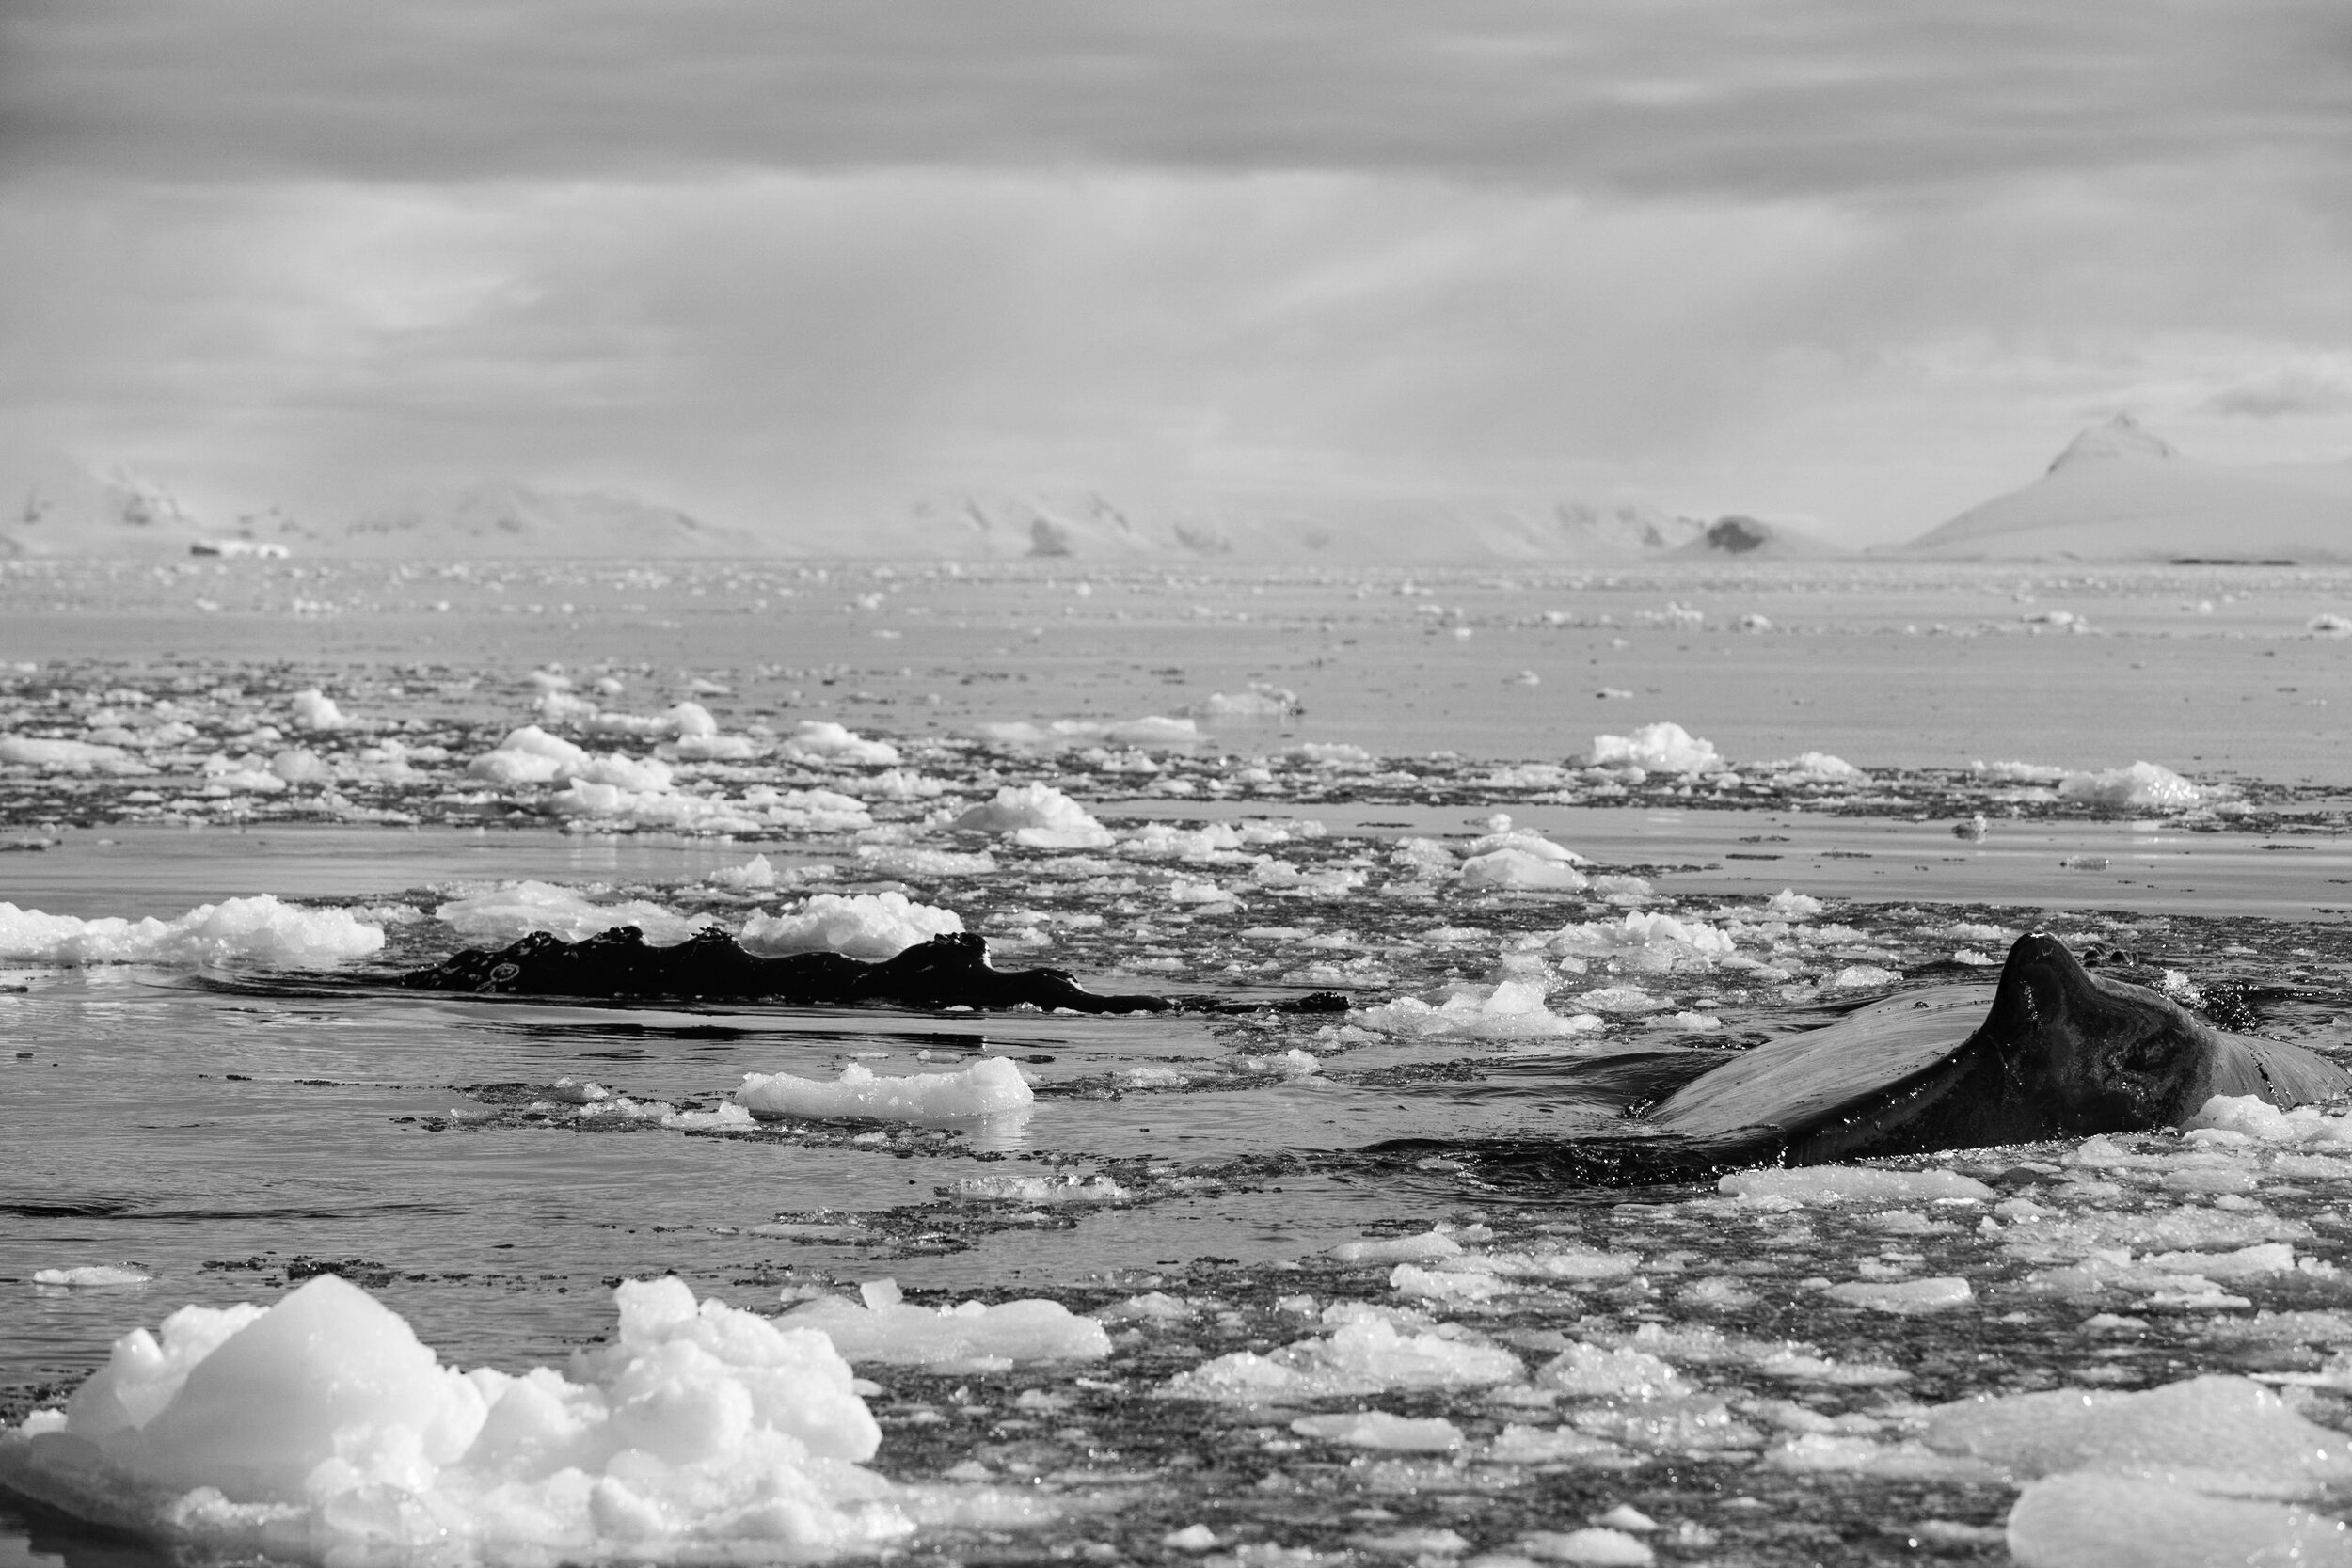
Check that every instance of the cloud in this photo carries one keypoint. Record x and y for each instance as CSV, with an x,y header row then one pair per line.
x,y
2323,388
1839,98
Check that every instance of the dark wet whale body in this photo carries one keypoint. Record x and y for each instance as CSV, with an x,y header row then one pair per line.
x,y
2052,1051
946,972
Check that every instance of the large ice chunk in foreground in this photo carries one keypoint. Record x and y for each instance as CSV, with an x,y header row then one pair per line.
x,y
1661,748
259,929
2187,1474
2225,1434
867,925
1038,816
990,1086
322,1428
2095,1520
970,1335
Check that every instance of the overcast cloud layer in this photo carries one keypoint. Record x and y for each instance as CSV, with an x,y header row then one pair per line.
x,y
1860,262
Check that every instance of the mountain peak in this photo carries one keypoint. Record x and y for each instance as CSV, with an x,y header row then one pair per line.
x,y
2121,436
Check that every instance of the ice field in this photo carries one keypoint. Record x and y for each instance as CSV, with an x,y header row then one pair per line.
x,y
305,1268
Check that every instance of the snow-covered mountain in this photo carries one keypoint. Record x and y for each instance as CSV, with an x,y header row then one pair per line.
x,y
2120,493
504,517
58,507
1359,532
63,508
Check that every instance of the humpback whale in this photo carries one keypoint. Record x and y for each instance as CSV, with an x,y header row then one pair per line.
x,y
949,971
2052,1051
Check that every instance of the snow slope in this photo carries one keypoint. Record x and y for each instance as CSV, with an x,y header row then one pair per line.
x,y
2120,493
502,518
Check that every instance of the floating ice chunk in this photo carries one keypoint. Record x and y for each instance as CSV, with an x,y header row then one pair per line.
x,y
1378,1429
1038,816
1856,1184
1509,1009
1517,1443
1507,837
1622,1000
822,740
1829,1452
1151,1307
1595,1547
990,1086
904,860
1907,1297
1417,1248
1661,748
1592,1371
2329,625
1857,976
301,765
2256,1119
1330,753
1192,1537
88,1275
2100,1521
754,875
2017,772
1152,730
703,1433
716,747
1817,768
1260,700
259,929
1520,864
69,756
1656,944
513,911
1788,904
314,709
2143,784
245,775
693,722
1369,1355
971,1335
2213,1434
1416,1283
528,755
867,925
1042,1191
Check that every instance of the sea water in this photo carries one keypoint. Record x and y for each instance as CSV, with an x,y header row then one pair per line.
x,y
1142,1287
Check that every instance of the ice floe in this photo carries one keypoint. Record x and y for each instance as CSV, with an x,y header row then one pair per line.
x,y
1508,1009
865,926
1365,1353
260,929
2143,784
968,1337
1036,816
990,1086
92,1275
1659,747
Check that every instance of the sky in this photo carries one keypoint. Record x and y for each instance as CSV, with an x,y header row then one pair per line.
x,y
784,262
